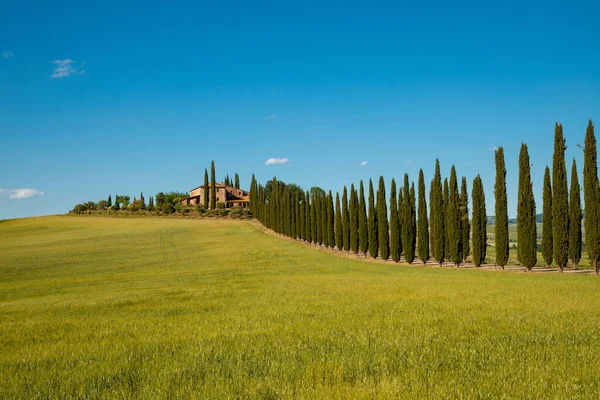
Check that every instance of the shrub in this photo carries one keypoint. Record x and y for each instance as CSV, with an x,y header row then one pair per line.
x,y
220,206
240,213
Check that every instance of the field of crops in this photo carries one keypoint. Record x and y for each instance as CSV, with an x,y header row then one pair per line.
x,y
158,307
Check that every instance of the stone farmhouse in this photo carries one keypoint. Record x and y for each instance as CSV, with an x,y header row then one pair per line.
x,y
228,195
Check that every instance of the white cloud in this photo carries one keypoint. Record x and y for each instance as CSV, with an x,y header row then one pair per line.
x,y
363,164
8,54
274,161
66,68
272,116
492,148
408,162
23,193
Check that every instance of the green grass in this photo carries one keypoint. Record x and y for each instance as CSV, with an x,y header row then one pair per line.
x,y
154,308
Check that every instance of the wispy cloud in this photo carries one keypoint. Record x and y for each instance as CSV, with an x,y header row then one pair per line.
x,y
66,68
494,148
8,54
272,116
409,162
23,193
363,164
275,161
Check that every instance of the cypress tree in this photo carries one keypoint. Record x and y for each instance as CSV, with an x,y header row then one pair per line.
x,y
373,234
465,226
345,222
560,201
213,189
526,225
574,218
479,222
325,219
353,220
413,220
591,197
446,201
109,201
400,210
436,216
453,220
330,220
318,209
303,217
297,215
547,246
324,229
237,181
339,230
394,225
406,224
382,221
363,225
309,226
313,220
501,211
206,195
423,223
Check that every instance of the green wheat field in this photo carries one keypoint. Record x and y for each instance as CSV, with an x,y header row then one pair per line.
x,y
100,307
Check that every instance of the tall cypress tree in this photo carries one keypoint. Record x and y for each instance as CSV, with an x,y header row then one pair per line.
x,y
237,181
109,201
591,196
330,220
353,220
394,225
501,211
560,201
479,223
313,220
206,188
213,188
339,229
453,219
436,216
400,210
363,225
317,207
299,215
345,222
413,219
406,224
324,219
382,221
574,218
547,246
373,234
423,223
526,225
307,210
446,200
465,226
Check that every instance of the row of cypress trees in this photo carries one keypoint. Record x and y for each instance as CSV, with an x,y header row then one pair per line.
x,y
367,227
360,225
562,213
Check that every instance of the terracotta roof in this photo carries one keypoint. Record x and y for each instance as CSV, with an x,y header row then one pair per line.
x,y
218,185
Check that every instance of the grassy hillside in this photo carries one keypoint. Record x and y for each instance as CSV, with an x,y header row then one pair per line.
x,y
150,308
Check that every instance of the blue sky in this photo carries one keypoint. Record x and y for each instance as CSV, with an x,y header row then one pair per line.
x,y
100,98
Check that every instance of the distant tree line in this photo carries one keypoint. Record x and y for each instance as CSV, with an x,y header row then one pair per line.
x,y
450,232
167,203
